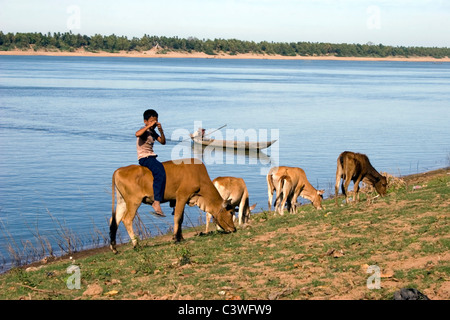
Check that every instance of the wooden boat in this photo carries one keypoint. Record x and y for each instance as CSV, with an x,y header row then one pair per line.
x,y
236,145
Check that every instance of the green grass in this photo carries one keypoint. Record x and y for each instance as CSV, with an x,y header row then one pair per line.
x,y
309,255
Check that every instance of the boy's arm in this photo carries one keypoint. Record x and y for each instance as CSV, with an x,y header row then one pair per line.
x,y
162,138
142,130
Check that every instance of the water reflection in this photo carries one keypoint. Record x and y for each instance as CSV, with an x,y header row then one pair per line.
x,y
218,155
210,154
213,155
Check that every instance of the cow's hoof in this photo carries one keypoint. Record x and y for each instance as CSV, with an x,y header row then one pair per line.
x,y
178,239
114,250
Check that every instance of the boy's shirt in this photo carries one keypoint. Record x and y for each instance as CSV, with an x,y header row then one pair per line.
x,y
144,144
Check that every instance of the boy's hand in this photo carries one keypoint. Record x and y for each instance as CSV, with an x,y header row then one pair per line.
x,y
151,123
158,125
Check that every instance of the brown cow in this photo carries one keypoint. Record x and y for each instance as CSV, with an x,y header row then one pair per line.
x,y
235,191
289,183
355,167
188,182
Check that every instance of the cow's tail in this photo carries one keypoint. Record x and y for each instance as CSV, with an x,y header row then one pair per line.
x,y
284,180
113,221
341,161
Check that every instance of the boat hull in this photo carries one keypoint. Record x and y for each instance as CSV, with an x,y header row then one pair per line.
x,y
236,145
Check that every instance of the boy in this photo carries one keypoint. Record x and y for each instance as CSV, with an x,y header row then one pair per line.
x,y
146,137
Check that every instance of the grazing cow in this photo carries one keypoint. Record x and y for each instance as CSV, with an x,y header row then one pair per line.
x,y
187,182
235,191
289,183
355,167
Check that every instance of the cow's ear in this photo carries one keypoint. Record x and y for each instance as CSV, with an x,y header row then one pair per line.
x,y
320,192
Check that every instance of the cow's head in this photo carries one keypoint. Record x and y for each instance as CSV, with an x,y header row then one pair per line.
x,y
317,199
381,186
224,218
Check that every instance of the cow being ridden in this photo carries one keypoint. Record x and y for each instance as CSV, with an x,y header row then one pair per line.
x,y
233,190
355,167
187,182
289,183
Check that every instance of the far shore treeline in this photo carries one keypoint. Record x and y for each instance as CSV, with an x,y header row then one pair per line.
x,y
71,42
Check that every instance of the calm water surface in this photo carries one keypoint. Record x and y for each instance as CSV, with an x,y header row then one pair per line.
x,y
68,122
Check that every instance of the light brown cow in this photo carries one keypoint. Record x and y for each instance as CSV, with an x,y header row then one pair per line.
x,y
187,182
235,191
355,167
289,183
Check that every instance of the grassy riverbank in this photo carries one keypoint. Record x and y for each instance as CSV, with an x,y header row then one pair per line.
x,y
310,255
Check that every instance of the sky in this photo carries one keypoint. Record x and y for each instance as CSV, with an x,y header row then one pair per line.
x,y
389,22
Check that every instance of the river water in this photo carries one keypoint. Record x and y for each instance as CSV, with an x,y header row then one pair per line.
x,y
68,122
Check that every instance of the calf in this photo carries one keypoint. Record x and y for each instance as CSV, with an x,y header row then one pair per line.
x,y
289,183
354,167
234,191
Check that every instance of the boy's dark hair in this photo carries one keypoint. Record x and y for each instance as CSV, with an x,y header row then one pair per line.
x,y
150,113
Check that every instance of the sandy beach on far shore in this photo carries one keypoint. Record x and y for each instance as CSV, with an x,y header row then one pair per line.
x,y
172,54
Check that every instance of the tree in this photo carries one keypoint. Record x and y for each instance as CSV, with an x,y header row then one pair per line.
x,y
122,43
96,42
69,41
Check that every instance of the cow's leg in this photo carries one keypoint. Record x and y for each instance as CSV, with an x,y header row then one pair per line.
x,y
270,190
269,202
289,201
208,219
279,196
347,177
114,222
245,210
345,185
294,202
343,189
356,189
128,218
336,190
178,219
172,205
289,204
242,211
339,173
285,192
283,204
